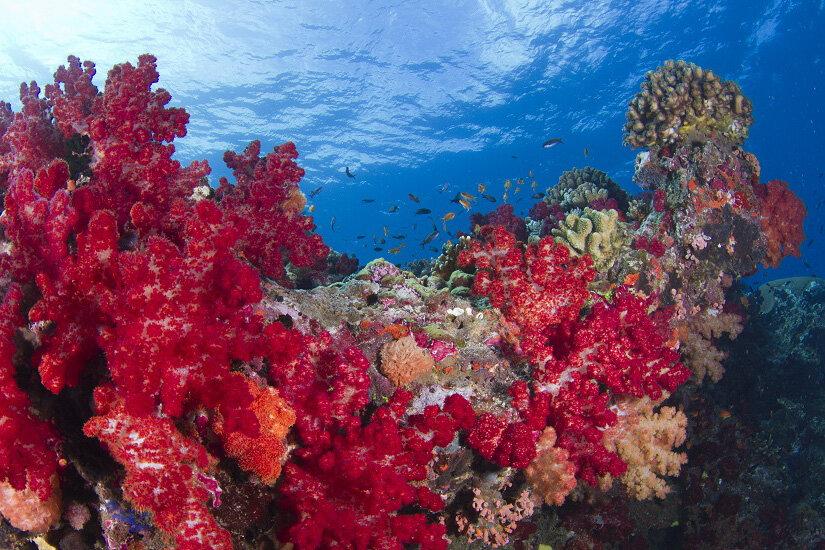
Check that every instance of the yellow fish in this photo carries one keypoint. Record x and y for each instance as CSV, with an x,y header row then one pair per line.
x,y
386,231
467,196
448,216
465,204
311,208
482,188
506,185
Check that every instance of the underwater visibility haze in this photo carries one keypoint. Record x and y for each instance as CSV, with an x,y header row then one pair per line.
x,y
412,274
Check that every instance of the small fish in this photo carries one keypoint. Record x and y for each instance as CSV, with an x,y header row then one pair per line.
x,y
519,181
456,198
386,231
332,223
551,143
315,192
504,196
431,237
465,204
399,236
467,196
311,208
396,250
378,249
361,237
382,240
533,184
444,187
423,211
482,188
517,190
538,195
367,200
513,157
349,174
393,208
810,242
507,184
413,197
585,152
530,173
489,197
447,217
724,414
806,264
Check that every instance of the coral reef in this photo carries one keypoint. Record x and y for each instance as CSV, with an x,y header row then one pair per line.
x,y
182,368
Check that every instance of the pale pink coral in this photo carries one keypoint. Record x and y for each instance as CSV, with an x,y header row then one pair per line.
x,y
24,509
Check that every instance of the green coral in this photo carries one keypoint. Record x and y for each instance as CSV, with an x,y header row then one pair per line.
x,y
595,232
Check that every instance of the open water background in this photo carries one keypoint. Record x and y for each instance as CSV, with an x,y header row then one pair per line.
x,y
415,95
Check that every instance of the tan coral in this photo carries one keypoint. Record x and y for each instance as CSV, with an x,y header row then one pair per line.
x,y
696,337
682,101
402,361
645,440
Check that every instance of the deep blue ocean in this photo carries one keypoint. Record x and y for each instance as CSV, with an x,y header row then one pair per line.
x,y
433,98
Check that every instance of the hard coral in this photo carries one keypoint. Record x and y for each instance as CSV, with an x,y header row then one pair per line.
x,y
681,101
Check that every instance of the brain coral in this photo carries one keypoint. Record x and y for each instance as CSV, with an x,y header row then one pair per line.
x,y
682,101
402,361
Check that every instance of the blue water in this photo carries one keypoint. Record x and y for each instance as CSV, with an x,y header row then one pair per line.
x,y
414,95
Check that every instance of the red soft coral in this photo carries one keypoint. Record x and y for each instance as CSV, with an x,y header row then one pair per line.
x,y
782,215
28,445
164,471
264,206
536,285
352,495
